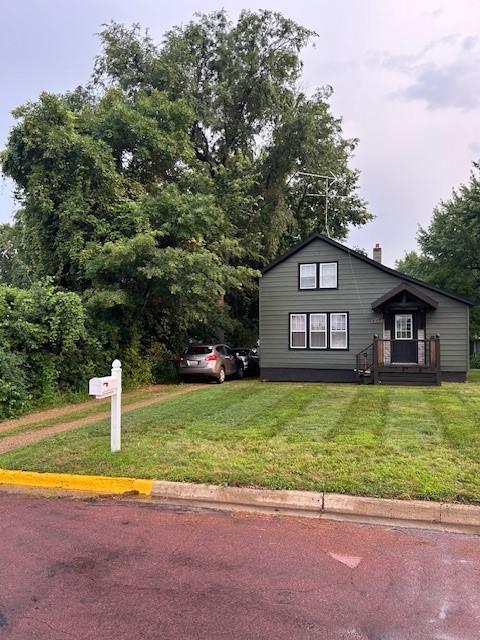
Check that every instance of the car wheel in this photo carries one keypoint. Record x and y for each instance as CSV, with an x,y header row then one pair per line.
x,y
221,376
240,372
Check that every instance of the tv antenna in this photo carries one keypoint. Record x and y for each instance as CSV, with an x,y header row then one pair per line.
x,y
329,180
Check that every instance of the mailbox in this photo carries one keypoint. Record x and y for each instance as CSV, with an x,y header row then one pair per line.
x,y
103,387
111,387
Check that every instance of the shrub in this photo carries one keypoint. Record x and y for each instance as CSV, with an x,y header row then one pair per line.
x,y
14,391
43,340
475,361
163,363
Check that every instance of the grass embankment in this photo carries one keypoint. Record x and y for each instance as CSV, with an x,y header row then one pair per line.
x,y
407,442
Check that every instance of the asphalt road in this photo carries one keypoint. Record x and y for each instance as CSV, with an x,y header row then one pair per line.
x,y
113,570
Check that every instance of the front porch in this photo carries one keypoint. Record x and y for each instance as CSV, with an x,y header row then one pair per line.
x,y
374,365
402,354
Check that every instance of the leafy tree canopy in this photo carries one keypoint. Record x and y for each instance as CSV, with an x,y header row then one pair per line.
x,y
450,246
13,270
241,82
158,191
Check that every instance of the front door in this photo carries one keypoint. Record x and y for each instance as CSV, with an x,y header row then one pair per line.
x,y
404,347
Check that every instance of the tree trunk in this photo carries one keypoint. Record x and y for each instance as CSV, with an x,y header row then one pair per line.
x,y
219,330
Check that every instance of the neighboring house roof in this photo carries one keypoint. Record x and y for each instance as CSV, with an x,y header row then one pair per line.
x,y
360,256
408,288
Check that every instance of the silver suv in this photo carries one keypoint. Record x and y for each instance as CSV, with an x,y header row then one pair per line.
x,y
214,361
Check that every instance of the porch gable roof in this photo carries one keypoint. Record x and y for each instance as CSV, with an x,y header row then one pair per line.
x,y
407,288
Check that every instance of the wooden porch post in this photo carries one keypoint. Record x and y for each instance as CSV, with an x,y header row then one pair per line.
x,y
375,359
378,351
437,346
432,352
435,356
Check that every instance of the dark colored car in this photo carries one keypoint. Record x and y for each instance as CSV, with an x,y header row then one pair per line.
x,y
210,361
250,361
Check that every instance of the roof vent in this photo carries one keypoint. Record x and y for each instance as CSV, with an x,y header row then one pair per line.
x,y
377,253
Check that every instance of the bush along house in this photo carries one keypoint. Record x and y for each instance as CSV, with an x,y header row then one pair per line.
x,y
330,314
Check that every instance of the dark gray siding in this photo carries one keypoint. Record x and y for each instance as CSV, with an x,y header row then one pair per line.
x,y
359,284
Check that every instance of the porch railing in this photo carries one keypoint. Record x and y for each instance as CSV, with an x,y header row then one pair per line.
x,y
365,360
382,353
426,352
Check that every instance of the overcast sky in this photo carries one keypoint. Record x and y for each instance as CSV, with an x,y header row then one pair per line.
x,y
406,80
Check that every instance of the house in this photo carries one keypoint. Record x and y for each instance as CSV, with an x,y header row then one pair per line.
x,y
331,314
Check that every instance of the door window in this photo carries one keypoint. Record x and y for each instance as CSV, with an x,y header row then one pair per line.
x,y
404,326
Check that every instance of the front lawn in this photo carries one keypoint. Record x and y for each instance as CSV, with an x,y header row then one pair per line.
x,y
404,442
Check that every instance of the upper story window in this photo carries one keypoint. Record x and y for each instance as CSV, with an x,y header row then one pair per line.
x,y
328,275
318,275
308,276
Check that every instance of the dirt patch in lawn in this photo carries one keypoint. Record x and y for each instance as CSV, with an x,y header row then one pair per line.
x,y
31,437
57,412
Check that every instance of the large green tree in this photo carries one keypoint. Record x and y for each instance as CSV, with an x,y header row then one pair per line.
x,y
115,206
241,81
157,192
450,246
13,269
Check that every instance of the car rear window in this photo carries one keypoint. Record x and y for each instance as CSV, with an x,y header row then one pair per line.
x,y
198,350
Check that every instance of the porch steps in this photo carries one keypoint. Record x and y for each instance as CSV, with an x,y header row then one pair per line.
x,y
373,364
416,378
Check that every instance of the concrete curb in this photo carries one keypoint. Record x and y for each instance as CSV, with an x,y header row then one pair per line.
x,y
332,506
102,484
308,503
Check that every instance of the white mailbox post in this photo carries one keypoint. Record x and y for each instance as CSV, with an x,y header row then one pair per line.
x,y
111,387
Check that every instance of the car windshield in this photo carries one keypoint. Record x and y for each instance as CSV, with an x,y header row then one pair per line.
x,y
198,350
242,352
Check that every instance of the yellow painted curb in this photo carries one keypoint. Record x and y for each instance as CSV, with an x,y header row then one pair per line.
x,y
70,481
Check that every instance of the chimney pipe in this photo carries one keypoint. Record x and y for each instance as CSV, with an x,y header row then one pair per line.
x,y
377,253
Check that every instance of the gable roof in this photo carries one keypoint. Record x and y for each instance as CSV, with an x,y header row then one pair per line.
x,y
408,288
403,276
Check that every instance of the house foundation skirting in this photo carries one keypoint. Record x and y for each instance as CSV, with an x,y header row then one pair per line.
x,y
454,376
283,374
287,374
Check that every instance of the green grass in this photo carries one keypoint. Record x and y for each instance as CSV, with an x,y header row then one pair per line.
x,y
80,411
404,442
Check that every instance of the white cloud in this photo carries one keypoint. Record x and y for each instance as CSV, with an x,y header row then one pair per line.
x,y
474,147
435,13
444,73
412,150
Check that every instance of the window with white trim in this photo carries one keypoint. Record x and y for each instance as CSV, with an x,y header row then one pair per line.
x,y
403,326
308,276
338,331
328,275
318,331
298,330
